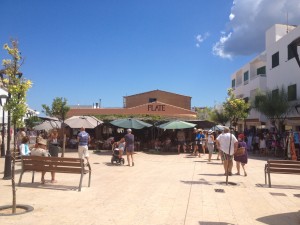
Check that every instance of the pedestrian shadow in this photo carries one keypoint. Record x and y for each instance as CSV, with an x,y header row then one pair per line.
x,y
214,223
112,164
278,186
201,181
282,218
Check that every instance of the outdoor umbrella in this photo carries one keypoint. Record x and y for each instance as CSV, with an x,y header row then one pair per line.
x,y
130,123
88,122
217,128
176,124
48,125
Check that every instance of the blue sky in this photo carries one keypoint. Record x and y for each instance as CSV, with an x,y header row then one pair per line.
x,y
106,49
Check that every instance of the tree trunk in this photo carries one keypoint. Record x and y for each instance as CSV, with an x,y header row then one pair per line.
x,y
13,183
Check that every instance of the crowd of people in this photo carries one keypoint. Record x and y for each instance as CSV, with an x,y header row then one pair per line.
x,y
229,147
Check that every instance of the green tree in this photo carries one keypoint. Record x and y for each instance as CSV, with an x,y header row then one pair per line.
x,y
274,105
203,113
32,121
219,116
17,87
59,109
235,108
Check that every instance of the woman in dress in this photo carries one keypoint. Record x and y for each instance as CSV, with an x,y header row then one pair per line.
x,y
241,159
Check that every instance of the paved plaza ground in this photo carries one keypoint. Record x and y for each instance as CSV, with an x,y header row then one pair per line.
x,y
166,189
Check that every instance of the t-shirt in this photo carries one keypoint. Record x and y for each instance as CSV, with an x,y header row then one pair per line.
x,y
83,138
224,140
129,139
39,152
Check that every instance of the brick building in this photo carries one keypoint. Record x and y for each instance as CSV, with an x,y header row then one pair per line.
x,y
156,102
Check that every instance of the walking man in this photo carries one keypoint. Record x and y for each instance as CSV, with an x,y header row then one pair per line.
x,y
227,145
83,139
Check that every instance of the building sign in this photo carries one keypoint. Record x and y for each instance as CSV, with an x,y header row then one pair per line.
x,y
156,108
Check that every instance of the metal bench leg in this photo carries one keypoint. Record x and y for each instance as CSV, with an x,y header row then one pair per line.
x,y
265,174
32,179
269,177
80,183
90,178
20,179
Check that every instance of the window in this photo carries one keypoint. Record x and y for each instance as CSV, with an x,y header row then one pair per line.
x,y
290,52
246,76
275,59
152,100
292,92
261,70
233,83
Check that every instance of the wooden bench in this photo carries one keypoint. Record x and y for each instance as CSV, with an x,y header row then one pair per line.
x,y
281,167
55,164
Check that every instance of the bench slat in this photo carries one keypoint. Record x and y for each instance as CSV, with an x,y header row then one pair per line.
x,y
284,166
284,162
36,162
283,170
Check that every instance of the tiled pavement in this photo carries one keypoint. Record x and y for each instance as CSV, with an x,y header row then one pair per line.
x,y
159,190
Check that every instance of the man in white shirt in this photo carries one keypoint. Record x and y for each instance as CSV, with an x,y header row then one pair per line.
x,y
227,144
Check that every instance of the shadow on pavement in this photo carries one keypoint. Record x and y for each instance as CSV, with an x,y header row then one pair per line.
x,y
202,181
214,223
50,186
283,218
215,175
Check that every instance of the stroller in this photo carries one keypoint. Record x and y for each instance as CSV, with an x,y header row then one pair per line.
x,y
115,156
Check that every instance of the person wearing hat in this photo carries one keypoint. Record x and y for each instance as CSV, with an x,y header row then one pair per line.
x,y
129,146
201,144
83,139
243,158
41,150
227,144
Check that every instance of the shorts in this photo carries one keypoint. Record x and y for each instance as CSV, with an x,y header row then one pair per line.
x,y
83,151
225,156
181,143
210,147
129,149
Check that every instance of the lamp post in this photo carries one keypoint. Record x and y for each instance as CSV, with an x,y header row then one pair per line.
x,y
2,103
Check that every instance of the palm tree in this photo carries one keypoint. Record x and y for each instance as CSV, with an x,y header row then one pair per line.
x,y
274,105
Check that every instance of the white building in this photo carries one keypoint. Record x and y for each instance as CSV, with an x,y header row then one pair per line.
x,y
277,66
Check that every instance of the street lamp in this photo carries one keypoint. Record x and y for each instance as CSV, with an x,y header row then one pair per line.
x,y
3,99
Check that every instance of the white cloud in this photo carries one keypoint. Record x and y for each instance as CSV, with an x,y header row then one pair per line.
x,y
200,38
231,16
248,22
